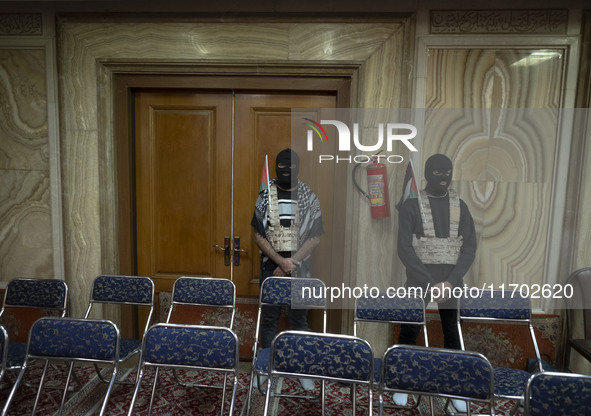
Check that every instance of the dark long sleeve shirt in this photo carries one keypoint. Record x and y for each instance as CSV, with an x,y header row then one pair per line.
x,y
410,222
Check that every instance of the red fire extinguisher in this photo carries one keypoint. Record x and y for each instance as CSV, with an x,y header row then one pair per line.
x,y
377,189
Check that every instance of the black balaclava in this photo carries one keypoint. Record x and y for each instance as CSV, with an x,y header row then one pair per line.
x,y
287,178
437,185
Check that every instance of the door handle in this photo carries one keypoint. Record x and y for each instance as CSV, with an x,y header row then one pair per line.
x,y
225,249
237,251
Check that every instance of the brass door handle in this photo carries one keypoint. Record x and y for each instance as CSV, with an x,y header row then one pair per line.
x,y
237,251
225,249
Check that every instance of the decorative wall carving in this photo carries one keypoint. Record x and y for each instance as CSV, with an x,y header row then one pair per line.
x,y
21,24
499,21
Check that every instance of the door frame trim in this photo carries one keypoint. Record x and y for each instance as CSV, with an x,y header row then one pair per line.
x,y
341,80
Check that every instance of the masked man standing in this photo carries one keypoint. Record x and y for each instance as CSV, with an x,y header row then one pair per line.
x,y
437,245
288,224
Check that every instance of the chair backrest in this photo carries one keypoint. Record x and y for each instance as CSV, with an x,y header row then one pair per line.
x,y
298,292
123,290
451,373
295,291
508,306
580,281
555,394
204,291
74,338
392,310
323,356
199,346
47,294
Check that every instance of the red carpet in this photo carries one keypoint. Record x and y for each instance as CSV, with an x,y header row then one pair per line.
x,y
172,399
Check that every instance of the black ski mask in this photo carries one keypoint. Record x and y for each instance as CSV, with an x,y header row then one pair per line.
x,y
438,172
287,174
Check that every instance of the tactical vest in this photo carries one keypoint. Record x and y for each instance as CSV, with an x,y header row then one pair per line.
x,y
281,238
434,250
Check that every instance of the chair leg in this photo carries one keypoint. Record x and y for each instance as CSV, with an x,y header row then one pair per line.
x,y
109,389
65,393
40,386
322,395
136,392
353,397
153,391
233,398
224,396
14,389
268,396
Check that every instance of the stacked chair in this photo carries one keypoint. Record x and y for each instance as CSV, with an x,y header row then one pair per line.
x,y
437,372
390,311
282,291
502,307
174,346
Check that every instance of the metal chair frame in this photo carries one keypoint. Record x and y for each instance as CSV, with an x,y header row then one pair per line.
x,y
198,291
4,351
192,291
324,364
267,297
581,300
406,357
498,306
563,387
47,295
101,294
167,334
33,294
66,344
384,309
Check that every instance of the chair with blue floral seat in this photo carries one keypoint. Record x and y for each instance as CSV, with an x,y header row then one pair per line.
x,y
199,347
324,357
498,306
45,296
556,394
72,340
123,290
309,293
437,372
386,309
204,292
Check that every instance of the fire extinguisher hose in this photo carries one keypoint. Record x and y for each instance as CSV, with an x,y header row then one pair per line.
x,y
365,194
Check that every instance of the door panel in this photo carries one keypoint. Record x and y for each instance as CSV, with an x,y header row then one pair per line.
x,y
183,144
196,184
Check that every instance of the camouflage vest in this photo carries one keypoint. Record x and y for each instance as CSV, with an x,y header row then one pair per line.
x,y
281,238
434,250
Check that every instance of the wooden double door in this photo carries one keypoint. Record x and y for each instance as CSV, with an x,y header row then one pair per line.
x,y
198,160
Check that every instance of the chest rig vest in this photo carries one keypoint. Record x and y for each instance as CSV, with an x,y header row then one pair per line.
x,y
435,250
282,238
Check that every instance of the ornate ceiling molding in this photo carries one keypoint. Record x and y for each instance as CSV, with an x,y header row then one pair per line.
x,y
21,24
498,21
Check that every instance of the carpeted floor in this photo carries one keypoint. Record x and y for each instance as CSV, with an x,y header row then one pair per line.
x,y
172,399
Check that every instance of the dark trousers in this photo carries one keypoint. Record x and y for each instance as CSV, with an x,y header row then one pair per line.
x,y
448,314
270,314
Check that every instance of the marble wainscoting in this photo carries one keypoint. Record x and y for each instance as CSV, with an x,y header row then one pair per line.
x,y
25,206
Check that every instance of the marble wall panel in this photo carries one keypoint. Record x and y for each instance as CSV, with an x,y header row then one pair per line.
x,y
495,113
23,110
25,213
25,225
